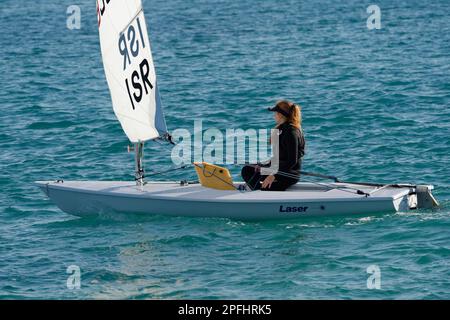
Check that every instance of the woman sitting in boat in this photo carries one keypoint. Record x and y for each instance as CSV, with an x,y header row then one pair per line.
x,y
290,149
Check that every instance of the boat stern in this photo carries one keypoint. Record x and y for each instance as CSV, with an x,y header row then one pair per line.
x,y
425,198
419,197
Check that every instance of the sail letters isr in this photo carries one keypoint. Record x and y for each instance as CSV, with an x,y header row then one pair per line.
x,y
131,41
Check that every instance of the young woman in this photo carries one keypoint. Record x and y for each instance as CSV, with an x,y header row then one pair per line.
x,y
291,148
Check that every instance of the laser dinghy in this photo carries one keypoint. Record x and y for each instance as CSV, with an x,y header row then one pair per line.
x,y
194,200
136,102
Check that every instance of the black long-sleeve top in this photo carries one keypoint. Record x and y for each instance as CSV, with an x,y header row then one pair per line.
x,y
291,150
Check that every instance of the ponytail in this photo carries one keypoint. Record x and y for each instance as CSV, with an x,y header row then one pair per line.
x,y
295,118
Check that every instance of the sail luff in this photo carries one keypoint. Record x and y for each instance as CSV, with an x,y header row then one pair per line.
x,y
129,69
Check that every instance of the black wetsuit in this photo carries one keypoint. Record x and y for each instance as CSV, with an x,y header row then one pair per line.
x,y
291,151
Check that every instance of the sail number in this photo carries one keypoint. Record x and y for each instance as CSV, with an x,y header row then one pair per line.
x,y
131,41
103,7
101,10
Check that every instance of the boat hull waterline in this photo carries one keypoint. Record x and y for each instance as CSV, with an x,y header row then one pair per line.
x,y
88,198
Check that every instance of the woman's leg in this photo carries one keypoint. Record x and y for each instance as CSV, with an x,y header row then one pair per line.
x,y
251,177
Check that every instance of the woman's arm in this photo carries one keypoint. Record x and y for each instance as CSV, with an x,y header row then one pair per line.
x,y
289,147
272,166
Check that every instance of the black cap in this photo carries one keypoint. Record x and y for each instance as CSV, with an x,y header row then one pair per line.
x,y
278,109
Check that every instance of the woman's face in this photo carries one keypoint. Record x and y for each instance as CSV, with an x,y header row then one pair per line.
x,y
279,118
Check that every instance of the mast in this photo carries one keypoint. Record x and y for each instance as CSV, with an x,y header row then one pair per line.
x,y
139,157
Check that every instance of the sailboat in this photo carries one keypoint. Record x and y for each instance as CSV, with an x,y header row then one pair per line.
x,y
131,77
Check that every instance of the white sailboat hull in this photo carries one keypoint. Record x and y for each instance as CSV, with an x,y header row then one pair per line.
x,y
173,199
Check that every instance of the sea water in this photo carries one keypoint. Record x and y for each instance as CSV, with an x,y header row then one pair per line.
x,y
375,108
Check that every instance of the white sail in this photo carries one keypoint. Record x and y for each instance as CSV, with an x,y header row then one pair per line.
x,y
129,69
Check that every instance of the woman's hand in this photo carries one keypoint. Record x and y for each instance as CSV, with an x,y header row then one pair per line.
x,y
267,183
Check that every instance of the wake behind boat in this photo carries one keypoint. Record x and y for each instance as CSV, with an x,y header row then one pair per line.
x,y
131,77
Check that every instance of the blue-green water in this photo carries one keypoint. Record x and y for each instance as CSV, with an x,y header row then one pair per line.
x,y
375,107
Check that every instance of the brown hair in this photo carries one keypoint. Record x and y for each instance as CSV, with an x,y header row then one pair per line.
x,y
293,110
